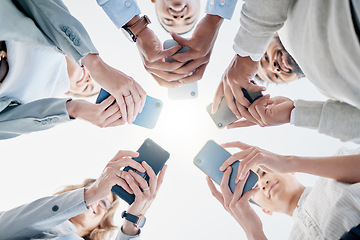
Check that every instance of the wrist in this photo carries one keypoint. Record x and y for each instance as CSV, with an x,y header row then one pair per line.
x,y
259,235
91,61
71,106
214,20
89,196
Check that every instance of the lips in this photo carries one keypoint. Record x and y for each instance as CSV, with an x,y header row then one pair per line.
x,y
178,9
282,62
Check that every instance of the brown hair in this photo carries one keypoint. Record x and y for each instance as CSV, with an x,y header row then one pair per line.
x,y
105,228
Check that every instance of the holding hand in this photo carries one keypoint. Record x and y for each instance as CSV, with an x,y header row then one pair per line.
x,y
102,115
251,156
267,111
129,95
238,75
239,207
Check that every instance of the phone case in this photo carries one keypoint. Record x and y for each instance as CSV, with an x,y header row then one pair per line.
x,y
152,154
209,160
185,91
223,116
149,115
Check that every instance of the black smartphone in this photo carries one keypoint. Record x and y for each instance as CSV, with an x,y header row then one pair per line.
x,y
149,115
152,154
185,91
212,156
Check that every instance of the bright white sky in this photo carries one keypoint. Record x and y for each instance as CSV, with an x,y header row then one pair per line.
x,y
38,164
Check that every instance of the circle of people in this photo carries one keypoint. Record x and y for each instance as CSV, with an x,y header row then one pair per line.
x,y
320,41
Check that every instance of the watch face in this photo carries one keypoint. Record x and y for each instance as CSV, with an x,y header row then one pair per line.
x,y
141,222
127,33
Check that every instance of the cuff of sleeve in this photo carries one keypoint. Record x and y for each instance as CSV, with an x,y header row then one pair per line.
x,y
123,236
119,11
243,53
306,113
222,8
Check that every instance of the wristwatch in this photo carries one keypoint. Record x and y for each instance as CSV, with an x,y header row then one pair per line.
x,y
137,221
133,31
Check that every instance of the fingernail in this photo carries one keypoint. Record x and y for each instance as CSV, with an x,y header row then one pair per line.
x,y
237,116
221,168
263,88
191,73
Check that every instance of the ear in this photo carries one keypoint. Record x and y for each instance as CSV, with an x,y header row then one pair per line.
x,y
267,211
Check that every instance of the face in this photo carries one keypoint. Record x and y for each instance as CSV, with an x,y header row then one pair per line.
x,y
177,15
92,218
277,65
81,83
277,190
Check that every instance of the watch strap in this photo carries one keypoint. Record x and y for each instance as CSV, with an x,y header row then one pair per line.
x,y
137,221
135,29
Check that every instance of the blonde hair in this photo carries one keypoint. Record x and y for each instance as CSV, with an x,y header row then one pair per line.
x,y
106,227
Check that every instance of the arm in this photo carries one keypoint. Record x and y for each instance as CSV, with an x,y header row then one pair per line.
x,y
41,215
17,119
333,118
340,168
56,22
239,207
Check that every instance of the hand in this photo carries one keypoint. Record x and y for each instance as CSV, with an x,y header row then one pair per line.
x,y
153,56
238,75
239,207
251,156
144,194
200,46
267,112
129,95
110,176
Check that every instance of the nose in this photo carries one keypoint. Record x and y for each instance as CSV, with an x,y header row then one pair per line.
x,y
275,67
264,184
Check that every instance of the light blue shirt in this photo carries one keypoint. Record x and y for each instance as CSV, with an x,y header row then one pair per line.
x,y
119,11
222,8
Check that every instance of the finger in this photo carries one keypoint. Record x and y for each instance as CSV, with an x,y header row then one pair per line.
x,y
160,178
142,94
114,119
253,108
261,108
238,144
125,153
129,107
107,102
239,95
134,187
122,183
246,114
254,88
165,83
194,77
111,110
141,182
224,186
168,52
120,101
214,191
169,76
192,65
229,98
246,197
236,157
246,164
163,66
137,102
239,188
254,115
241,123
182,41
152,177
218,97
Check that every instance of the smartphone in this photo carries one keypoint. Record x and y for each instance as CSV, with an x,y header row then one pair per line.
x,y
185,91
149,115
223,116
251,96
152,154
210,159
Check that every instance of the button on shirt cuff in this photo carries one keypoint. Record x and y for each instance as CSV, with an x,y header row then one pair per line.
x,y
119,11
222,8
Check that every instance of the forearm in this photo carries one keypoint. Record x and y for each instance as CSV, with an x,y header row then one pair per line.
x,y
340,168
259,235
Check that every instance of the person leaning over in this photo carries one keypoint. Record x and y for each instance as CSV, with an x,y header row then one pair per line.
x,y
327,210
86,211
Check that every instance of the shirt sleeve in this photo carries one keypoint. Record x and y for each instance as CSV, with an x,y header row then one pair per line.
x,y
259,21
119,11
333,118
123,236
222,8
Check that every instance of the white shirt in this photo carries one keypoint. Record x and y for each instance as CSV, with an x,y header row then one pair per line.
x,y
327,210
34,73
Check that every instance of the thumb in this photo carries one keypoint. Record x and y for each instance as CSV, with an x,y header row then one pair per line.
x,y
250,193
254,88
182,41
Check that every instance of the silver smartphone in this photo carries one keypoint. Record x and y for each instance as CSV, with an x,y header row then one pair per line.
x,y
212,156
223,116
185,91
